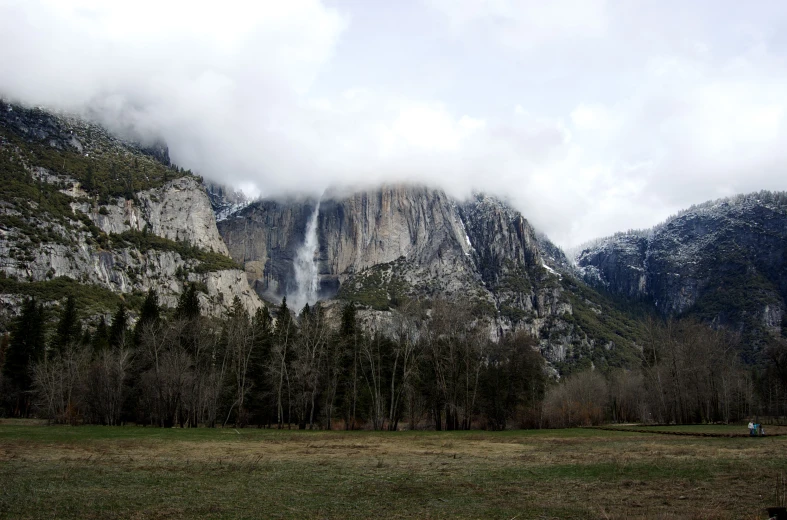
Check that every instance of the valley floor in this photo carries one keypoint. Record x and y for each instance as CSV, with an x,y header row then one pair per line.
x,y
141,473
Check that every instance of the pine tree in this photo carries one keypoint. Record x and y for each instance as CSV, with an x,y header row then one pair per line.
x,y
346,365
348,327
262,322
129,187
150,313
259,398
89,180
188,304
101,336
283,317
117,330
237,310
68,328
280,352
25,349
4,342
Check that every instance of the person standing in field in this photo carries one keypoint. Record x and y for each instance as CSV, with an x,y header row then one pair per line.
x,y
751,428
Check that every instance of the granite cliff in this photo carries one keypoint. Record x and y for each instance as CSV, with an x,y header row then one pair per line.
x,y
79,205
382,247
724,261
84,211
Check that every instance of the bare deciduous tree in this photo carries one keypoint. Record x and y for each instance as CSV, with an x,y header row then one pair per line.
x,y
308,351
106,384
58,382
578,400
455,345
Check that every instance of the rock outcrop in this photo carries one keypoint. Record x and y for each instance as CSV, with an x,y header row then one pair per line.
x,y
724,260
126,269
381,247
160,236
421,227
178,211
224,200
123,219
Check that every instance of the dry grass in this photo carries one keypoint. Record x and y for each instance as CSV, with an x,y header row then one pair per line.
x,y
88,472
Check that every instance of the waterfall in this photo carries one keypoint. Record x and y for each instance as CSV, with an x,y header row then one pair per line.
x,y
307,279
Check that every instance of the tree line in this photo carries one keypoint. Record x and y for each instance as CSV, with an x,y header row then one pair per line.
x,y
435,367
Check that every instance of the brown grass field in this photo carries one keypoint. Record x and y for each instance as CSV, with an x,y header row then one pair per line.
x,y
144,473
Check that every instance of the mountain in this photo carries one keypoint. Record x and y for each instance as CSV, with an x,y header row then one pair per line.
x,y
85,213
225,200
724,261
416,227
381,247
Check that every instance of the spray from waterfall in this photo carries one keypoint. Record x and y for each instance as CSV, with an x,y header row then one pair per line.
x,y
307,279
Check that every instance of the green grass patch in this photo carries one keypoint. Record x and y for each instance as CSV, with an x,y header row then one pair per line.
x,y
122,472
380,287
91,298
209,261
109,168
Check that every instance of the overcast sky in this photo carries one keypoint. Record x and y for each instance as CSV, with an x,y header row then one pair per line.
x,y
591,116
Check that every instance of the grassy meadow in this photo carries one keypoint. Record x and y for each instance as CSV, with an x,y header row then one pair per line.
x,y
99,472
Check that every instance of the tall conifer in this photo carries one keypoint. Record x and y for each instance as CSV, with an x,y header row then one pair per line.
x,y
68,327
188,303
149,313
25,349
118,328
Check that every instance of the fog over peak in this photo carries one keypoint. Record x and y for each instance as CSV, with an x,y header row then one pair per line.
x,y
588,116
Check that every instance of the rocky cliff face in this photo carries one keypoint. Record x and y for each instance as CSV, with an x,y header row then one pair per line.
x,y
724,260
413,225
179,211
419,230
225,200
78,204
126,269
507,255
618,264
59,217
381,247
375,227
264,237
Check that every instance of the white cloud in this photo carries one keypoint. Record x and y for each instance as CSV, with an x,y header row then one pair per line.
x,y
525,24
591,116
179,58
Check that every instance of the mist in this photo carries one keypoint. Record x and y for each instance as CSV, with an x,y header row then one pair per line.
x,y
589,117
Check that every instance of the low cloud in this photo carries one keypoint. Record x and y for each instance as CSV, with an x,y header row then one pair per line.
x,y
590,117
